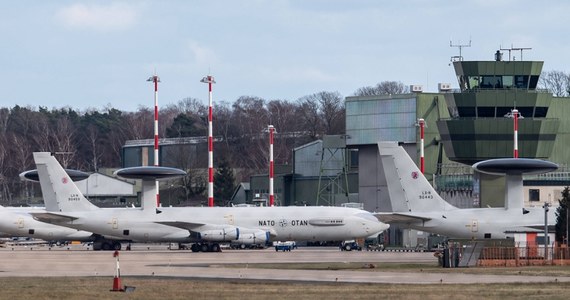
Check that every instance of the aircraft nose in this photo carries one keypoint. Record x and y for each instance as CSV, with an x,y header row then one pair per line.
x,y
378,227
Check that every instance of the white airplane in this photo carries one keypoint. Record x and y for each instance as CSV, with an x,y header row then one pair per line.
x,y
416,205
18,222
203,226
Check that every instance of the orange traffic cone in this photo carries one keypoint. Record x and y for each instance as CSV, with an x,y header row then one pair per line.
x,y
117,287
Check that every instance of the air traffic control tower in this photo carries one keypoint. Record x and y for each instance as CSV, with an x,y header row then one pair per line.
x,y
480,126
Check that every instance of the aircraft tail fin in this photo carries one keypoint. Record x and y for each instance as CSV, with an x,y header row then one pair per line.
x,y
408,188
58,190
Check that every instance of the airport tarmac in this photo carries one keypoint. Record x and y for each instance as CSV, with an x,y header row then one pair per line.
x,y
157,260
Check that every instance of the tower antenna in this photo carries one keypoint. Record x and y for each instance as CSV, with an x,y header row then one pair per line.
x,y
460,46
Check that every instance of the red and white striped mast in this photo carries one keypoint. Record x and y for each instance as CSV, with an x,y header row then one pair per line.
x,y
421,123
271,195
515,114
210,80
155,79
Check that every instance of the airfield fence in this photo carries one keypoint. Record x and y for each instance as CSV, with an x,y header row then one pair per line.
x,y
527,255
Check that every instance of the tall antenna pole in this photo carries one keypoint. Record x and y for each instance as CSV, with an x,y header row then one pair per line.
x,y
155,79
516,133
271,195
515,115
210,80
421,124
460,46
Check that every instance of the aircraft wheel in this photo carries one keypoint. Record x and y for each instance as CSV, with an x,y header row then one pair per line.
x,y
106,246
347,247
195,248
216,248
117,246
204,248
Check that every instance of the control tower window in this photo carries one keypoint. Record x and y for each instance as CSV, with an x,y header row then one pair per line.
x,y
486,112
540,112
521,81
533,82
492,82
508,82
473,82
526,111
466,112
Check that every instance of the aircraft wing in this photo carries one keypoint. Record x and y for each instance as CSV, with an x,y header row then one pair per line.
x,y
529,228
53,218
182,225
392,218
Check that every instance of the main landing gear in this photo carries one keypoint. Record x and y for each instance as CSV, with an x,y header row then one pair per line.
x,y
206,247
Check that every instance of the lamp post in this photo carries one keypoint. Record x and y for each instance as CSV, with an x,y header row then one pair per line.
x,y
421,123
155,79
545,206
271,195
514,114
210,80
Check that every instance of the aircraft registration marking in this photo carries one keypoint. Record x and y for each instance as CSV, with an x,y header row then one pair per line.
x,y
73,197
426,195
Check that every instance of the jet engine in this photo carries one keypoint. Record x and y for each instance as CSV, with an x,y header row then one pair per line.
x,y
220,235
253,237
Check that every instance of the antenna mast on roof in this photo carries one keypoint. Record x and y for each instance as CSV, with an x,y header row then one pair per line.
x,y
460,46
514,49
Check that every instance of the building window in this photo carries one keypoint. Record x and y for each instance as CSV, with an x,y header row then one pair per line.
x,y
534,195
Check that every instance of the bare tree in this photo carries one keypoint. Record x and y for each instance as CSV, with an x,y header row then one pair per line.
x,y
556,82
92,138
308,112
282,116
332,111
43,137
383,88
64,141
140,124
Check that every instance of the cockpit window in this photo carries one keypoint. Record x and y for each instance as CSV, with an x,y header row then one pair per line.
x,y
366,216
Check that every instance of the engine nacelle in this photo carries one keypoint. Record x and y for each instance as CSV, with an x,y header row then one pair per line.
x,y
220,235
253,237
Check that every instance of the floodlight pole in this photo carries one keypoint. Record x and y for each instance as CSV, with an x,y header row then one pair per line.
x,y
515,115
546,205
271,170
155,79
210,80
421,123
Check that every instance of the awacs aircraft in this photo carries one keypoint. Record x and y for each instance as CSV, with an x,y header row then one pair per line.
x,y
416,205
18,222
203,226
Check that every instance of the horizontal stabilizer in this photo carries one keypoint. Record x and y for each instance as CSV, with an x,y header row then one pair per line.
x,y
403,218
52,218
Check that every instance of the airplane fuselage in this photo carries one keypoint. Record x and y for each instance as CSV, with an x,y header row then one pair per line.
x,y
282,223
17,222
481,223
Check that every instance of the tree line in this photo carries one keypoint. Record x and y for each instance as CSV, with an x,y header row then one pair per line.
x,y
93,139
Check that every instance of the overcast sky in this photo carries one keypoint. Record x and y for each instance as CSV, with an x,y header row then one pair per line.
x,y
88,54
